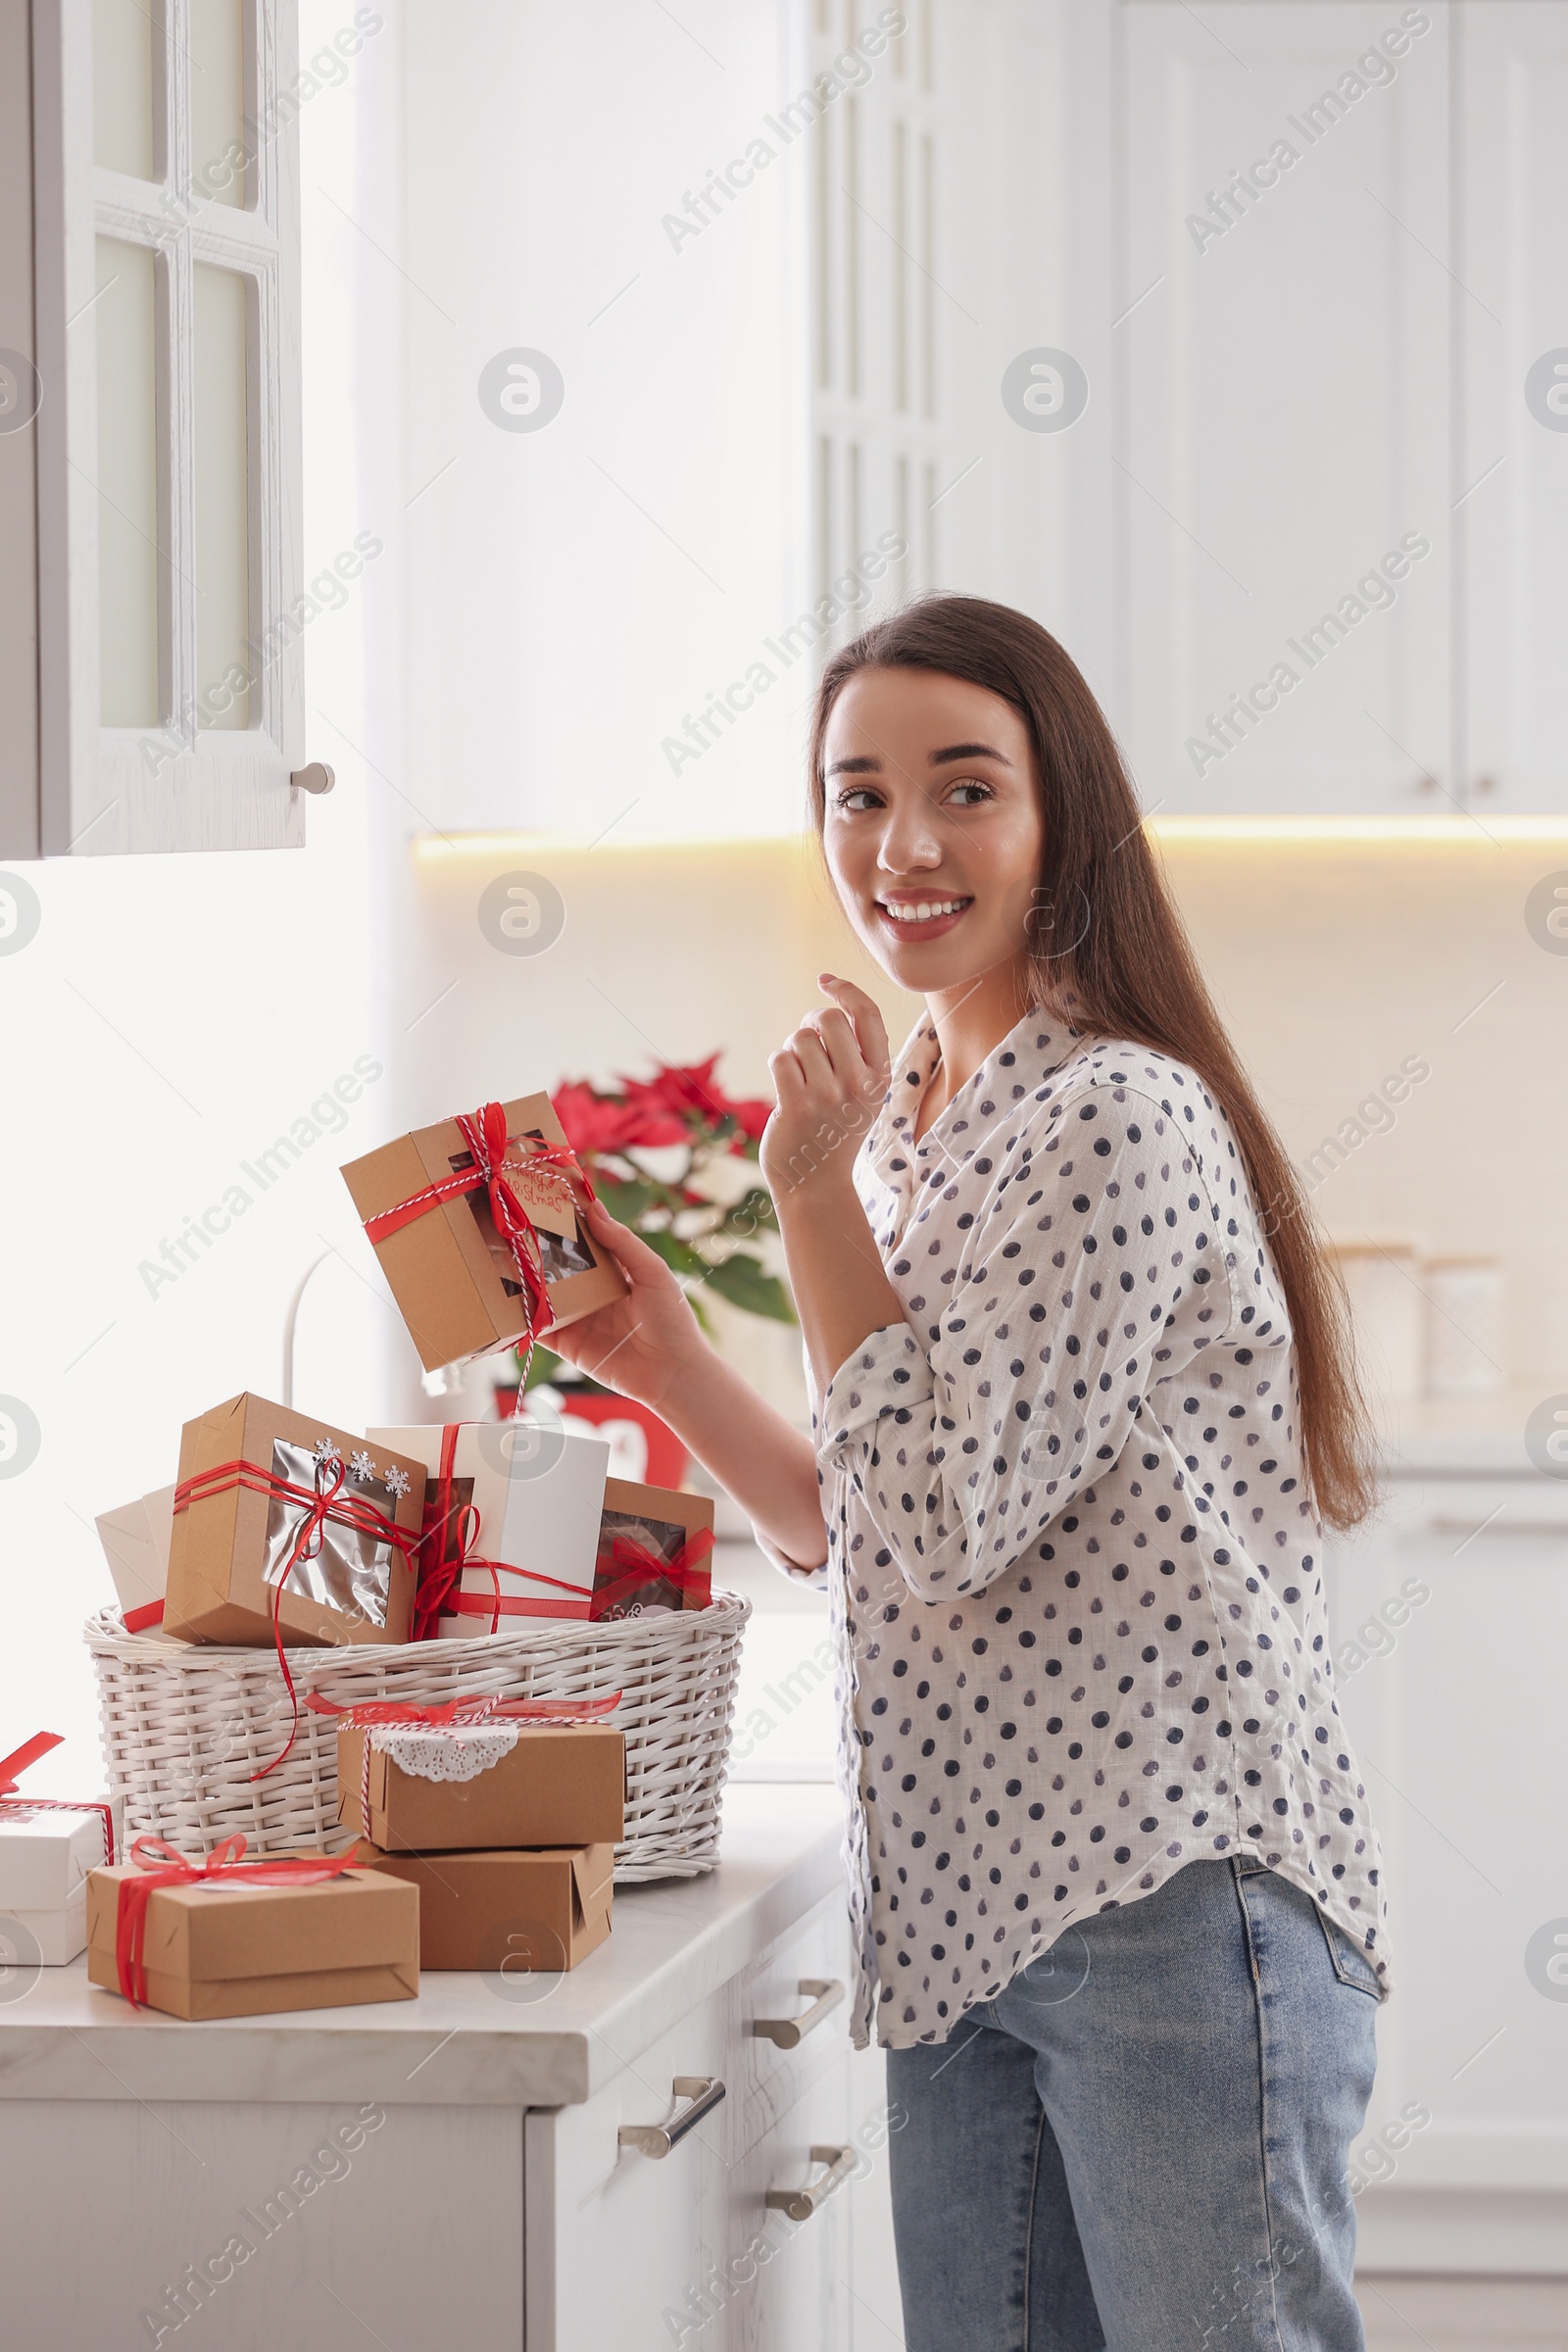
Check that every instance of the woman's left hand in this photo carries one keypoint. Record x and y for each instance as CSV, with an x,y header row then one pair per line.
x,y
829,1078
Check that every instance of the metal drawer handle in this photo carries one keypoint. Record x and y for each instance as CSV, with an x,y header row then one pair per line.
x,y
656,2140
788,2033
800,2203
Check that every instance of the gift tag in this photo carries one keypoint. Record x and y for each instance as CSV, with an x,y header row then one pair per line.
x,y
545,1195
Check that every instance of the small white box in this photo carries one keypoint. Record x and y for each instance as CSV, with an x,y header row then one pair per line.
x,y
45,1855
135,1539
54,1938
539,1491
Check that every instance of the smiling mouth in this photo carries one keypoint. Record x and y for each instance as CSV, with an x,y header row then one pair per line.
x,y
919,913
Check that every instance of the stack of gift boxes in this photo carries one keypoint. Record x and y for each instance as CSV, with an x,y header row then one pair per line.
x,y
487,1827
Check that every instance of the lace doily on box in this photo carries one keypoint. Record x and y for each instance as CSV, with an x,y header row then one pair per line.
x,y
445,1755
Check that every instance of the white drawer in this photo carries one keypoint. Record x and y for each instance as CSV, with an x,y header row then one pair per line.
x,y
770,2073
618,2240
637,2252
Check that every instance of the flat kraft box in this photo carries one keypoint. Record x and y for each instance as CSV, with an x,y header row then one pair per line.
x,y
450,1273
135,1539
562,1785
507,1914
538,1492
251,1951
660,1521
229,1549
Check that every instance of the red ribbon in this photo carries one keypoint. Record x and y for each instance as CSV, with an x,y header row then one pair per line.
x,y
460,1713
137,1621
443,1560
11,1802
163,1865
318,1505
637,1566
484,1130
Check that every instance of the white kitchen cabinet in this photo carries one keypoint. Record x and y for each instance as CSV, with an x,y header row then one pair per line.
x,y
1511,428
1450,1626
489,2200
1335,271
150,429
1283,410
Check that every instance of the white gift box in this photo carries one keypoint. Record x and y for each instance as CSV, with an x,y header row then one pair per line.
x,y
45,1855
539,1491
135,1539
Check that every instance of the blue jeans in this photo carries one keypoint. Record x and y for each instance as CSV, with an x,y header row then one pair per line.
x,y
1141,2146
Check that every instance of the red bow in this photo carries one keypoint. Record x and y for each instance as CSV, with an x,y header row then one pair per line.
x,y
12,1766
636,1565
224,1862
442,1561
318,1505
484,1130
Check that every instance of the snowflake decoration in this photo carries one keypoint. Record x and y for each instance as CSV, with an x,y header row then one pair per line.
x,y
327,1456
360,1468
397,1483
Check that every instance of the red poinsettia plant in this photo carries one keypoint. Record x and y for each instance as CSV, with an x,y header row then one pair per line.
x,y
675,1157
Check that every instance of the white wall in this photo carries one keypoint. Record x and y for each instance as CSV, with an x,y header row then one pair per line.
x,y
172,1018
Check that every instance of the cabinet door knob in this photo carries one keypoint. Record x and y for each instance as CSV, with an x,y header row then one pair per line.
x,y
788,2033
318,777
800,2203
656,2140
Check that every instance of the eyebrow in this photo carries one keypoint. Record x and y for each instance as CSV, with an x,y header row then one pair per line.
x,y
867,767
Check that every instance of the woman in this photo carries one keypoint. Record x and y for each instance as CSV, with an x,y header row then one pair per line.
x,y
1083,1405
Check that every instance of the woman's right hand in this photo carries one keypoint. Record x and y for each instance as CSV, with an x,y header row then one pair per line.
x,y
642,1343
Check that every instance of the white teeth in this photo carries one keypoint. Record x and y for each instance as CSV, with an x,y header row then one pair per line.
x,y
923,910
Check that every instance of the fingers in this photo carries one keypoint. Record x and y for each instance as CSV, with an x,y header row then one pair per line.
x,y
870,1029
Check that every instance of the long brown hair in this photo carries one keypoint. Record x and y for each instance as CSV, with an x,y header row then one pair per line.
x,y
1107,942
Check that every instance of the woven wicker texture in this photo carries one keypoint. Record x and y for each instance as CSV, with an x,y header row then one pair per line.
x,y
185,1726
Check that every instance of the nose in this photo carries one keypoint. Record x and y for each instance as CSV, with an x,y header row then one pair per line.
x,y
909,842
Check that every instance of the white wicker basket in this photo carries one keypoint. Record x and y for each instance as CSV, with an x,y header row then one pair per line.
x,y
185,1725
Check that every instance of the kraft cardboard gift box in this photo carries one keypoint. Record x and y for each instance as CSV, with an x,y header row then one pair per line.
x,y
136,1539
231,1546
508,1913
538,1493
451,1274
560,1785
211,1950
654,1525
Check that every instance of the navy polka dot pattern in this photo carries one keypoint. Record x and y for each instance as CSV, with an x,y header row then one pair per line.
x,y
1076,1571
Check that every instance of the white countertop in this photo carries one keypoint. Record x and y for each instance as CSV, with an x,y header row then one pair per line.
x,y
542,2042
1460,1437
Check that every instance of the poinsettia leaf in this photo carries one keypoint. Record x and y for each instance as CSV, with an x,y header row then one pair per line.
x,y
631,1202
754,1209
742,1281
678,1255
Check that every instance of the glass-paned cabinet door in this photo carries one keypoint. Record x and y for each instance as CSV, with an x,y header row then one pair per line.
x,y
164,340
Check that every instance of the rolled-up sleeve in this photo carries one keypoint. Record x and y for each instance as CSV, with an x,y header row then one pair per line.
x,y
1097,1271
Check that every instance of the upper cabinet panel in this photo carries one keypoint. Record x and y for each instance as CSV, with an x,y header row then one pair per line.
x,y
1285,535
162,463
1511,474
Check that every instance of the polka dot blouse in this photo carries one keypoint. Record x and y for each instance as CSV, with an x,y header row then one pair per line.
x,y
1077,1574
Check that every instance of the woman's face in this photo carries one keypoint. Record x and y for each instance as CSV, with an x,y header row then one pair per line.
x,y
933,830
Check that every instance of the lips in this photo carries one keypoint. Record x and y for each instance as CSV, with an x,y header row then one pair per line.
x,y
921,914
